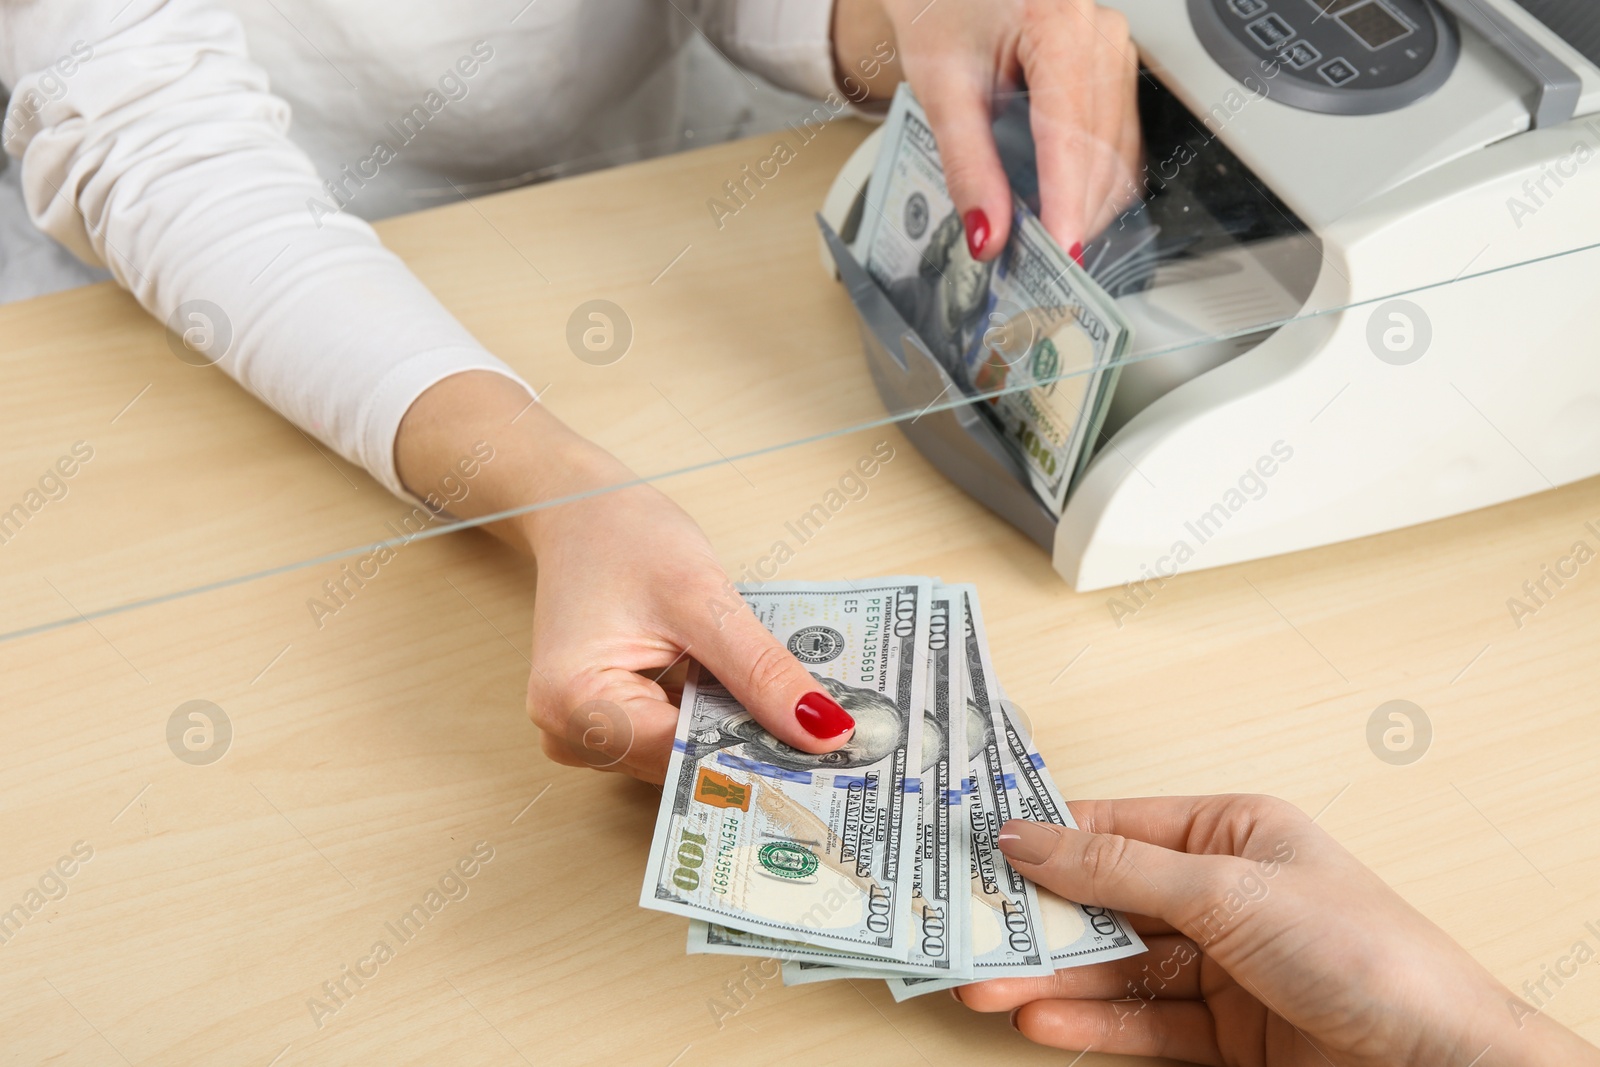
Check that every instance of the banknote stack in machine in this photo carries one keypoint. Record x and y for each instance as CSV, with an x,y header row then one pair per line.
x,y
1031,333
879,859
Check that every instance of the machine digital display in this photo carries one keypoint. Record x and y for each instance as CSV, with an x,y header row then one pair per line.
x,y
1373,24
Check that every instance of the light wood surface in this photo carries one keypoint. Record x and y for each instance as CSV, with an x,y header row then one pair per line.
x,y
370,755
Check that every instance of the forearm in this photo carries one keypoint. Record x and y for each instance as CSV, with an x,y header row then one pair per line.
x,y
165,155
536,458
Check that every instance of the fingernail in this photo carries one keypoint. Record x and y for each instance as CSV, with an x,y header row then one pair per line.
x,y
1076,252
977,224
956,992
1014,1025
1030,842
821,717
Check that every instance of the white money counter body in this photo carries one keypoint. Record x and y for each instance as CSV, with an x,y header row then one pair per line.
x,y
1404,328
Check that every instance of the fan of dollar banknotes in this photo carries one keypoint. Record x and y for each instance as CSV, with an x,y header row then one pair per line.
x,y
878,860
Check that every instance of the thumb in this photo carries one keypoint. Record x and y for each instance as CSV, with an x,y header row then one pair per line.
x,y
1111,871
773,686
958,111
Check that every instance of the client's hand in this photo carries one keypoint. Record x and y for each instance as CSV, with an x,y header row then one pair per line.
x,y
1269,945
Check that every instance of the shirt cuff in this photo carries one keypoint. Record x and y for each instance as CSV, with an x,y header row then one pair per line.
x,y
788,42
381,414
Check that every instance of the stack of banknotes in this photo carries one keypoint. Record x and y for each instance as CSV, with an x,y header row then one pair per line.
x,y
1031,332
880,859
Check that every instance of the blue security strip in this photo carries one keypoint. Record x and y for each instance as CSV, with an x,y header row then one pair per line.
x,y
952,797
913,785
1037,760
766,770
847,781
679,745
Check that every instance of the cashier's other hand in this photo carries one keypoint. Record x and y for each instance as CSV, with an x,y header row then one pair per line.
x,y
1270,946
628,590
964,57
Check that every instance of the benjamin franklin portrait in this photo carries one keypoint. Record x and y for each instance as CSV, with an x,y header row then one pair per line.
x,y
945,300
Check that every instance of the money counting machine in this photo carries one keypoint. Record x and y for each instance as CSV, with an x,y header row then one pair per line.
x,y
1360,275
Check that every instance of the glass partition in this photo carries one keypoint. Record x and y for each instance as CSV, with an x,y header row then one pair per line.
x,y
687,314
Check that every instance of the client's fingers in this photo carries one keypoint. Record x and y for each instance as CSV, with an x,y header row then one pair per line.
x,y
1112,871
1179,1030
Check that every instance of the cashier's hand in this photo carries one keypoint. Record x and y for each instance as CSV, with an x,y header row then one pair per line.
x,y
1269,945
961,57
628,590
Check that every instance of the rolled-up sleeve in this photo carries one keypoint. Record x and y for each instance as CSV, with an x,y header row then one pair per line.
x,y
150,143
788,42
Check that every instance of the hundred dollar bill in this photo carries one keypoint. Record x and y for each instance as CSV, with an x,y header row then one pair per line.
x,y
804,972
756,835
708,938
1005,926
942,905
941,892
912,241
1075,934
1032,327
1049,359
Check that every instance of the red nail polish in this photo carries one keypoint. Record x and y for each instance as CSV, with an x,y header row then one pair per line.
x,y
1076,252
977,224
821,717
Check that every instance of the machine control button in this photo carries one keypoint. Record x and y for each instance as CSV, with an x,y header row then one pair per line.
x,y
1300,55
1338,71
1247,9
1270,31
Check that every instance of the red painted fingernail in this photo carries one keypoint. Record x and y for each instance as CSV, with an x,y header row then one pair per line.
x,y
821,717
977,224
1076,252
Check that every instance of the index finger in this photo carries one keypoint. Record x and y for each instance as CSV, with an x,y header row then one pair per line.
x,y
958,105
795,706
1223,824
1164,821
1108,870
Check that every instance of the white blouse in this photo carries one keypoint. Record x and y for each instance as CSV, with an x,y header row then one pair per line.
x,y
154,137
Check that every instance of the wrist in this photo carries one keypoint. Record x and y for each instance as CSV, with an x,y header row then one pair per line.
x,y
866,61
534,460
573,470
1502,1030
